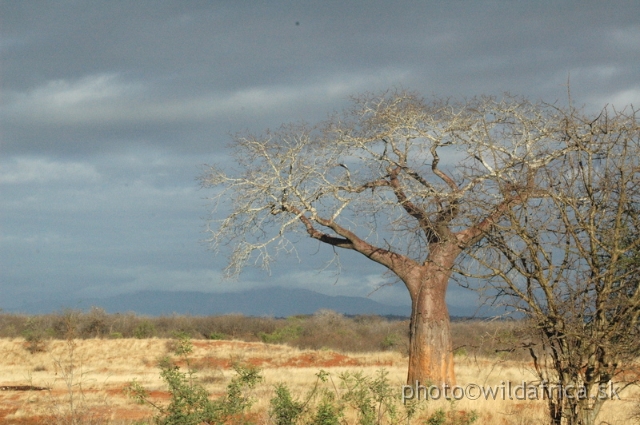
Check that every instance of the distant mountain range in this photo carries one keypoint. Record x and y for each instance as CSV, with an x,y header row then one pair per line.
x,y
276,302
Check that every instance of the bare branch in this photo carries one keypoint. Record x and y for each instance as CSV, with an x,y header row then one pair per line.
x,y
570,258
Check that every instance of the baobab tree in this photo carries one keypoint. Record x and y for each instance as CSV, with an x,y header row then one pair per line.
x,y
408,184
569,260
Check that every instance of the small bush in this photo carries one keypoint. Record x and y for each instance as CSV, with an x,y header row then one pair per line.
x,y
390,341
452,417
218,336
328,412
35,336
145,329
285,410
439,417
460,352
282,335
190,403
94,324
373,400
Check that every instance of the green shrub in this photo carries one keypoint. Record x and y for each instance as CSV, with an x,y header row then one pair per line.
x,y
328,412
439,417
452,417
218,336
145,329
35,336
285,410
374,400
460,352
181,345
284,334
390,341
189,401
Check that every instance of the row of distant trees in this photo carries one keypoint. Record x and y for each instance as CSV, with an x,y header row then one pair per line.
x,y
536,204
324,330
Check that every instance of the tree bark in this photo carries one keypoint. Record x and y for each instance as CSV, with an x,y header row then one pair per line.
x,y
430,345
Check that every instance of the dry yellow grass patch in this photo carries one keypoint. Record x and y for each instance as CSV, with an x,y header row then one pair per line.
x,y
102,368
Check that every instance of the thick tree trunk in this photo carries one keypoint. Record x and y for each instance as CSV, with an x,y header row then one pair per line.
x,y
430,345
583,411
587,416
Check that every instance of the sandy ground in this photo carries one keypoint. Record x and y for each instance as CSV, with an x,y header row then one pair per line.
x,y
88,378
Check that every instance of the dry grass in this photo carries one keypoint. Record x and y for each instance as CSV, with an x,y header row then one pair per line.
x,y
103,367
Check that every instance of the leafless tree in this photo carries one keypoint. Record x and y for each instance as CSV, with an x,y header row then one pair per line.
x,y
570,261
407,184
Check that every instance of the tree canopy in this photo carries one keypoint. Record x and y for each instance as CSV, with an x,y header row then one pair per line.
x,y
406,183
393,174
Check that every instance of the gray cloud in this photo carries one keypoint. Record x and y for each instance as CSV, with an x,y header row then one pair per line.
x,y
109,109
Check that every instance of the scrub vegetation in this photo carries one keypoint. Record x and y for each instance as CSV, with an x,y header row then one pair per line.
x,y
325,330
76,377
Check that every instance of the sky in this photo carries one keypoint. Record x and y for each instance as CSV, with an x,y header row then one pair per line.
x,y
109,112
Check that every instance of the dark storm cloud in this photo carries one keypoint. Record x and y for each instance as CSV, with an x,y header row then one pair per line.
x,y
95,75
109,108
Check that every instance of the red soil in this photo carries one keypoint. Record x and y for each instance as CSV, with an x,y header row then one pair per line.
x,y
12,401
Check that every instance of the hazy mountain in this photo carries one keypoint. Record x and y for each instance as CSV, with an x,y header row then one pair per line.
x,y
277,302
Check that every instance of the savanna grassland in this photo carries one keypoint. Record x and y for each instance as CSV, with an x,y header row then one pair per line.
x,y
78,368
